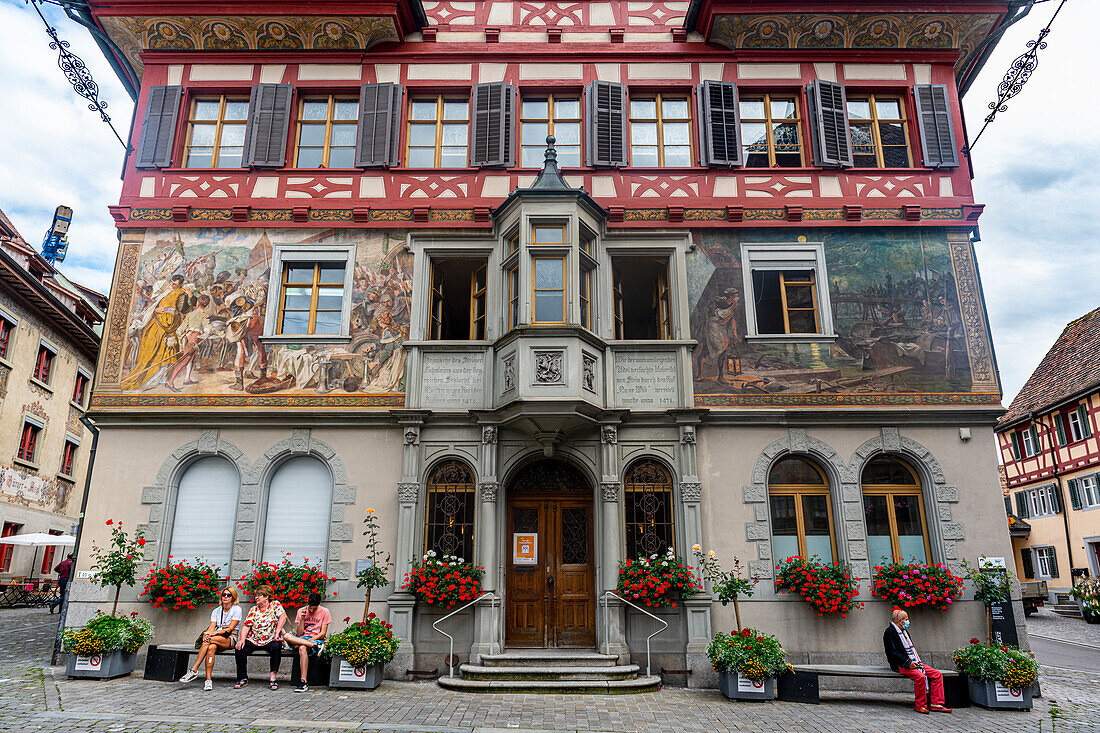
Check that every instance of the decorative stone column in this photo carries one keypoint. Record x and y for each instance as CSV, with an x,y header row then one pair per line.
x,y
697,608
489,614
611,631
402,604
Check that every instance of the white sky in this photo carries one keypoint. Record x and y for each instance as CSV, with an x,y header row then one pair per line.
x,y
1036,170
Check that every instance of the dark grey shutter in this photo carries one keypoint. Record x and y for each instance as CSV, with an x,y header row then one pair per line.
x,y
1025,557
1060,428
1074,494
1021,505
1083,414
1012,436
1035,439
937,128
379,125
1008,505
1053,563
158,130
605,110
829,124
268,125
1056,498
491,132
718,124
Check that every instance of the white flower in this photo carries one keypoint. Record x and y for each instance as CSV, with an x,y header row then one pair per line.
x,y
461,560
431,553
653,557
711,553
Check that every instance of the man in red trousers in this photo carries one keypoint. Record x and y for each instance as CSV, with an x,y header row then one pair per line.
x,y
903,658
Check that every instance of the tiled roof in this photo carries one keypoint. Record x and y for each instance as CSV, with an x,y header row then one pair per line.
x,y
1071,366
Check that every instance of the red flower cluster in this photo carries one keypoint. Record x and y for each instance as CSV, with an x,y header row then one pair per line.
x,y
656,580
444,582
916,584
182,585
291,583
829,588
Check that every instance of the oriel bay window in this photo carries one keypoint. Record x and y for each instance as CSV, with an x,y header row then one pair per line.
x,y
642,306
458,306
550,115
438,132
770,130
327,128
660,131
215,133
879,134
449,524
894,510
647,494
801,513
548,290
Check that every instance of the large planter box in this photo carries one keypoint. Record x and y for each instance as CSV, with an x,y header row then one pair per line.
x,y
735,687
104,666
1090,616
995,696
342,674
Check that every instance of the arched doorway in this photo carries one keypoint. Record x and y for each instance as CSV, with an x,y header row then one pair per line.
x,y
551,570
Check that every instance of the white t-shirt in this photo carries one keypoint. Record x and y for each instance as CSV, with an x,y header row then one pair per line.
x,y
223,618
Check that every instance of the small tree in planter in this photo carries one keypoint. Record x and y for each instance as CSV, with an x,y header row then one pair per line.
x,y
182,586
998,676
105,646
747,664
990,585
829,588
657,580
375,575
1087,593
914,584
728,586
291,583
360,653
443,581
116,565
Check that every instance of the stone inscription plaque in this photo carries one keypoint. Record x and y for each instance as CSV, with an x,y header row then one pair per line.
x,y
645,380
453,381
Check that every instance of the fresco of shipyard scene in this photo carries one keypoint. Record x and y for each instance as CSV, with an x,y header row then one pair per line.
x,y
895,312
198,309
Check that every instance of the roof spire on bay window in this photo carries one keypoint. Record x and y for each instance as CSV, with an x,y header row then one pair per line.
x,y
550,178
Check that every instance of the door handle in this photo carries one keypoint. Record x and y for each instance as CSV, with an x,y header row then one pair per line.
x,y
550,581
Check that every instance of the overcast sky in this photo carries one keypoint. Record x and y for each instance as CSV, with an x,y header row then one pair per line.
x,y
1036,170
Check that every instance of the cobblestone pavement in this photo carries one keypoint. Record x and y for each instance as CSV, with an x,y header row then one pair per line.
x,y
1047,623
34,697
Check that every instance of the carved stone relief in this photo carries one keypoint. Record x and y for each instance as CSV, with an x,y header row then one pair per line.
x,y
548,367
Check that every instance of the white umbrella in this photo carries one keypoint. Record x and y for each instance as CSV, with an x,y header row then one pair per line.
x,y
36,540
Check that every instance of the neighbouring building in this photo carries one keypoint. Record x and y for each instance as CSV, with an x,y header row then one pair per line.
x,y
1048,445
49,341
746,313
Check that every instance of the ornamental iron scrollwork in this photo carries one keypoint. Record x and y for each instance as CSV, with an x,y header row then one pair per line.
x,y
549,476
647,492
574,535
450,510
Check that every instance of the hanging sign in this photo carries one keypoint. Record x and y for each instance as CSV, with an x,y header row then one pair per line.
x,y
525,548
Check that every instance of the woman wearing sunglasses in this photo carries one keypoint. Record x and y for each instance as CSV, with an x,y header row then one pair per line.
x,y
220,635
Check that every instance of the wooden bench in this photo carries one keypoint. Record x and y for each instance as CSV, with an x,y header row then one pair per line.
x,y
169,662
801,685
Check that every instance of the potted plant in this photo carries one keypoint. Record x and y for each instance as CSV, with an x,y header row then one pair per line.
x,y
116,565
360,652
182,585
1000,677
104,647
747,664
1087,593
292,583
829,588
374,575
915,585
727,586
443,581
657,580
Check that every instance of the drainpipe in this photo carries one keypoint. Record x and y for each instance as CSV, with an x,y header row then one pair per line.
x,y
91,426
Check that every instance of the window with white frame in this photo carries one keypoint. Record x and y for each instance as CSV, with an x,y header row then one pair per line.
x,y
205,512
1046,562
299,508
1089,490
1030,442
1077,421
1041,501
309,295
788,292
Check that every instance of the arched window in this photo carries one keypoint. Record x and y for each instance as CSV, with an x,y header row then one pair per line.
x,y
647,494
449,526
801,513
205,512
894,509
299,508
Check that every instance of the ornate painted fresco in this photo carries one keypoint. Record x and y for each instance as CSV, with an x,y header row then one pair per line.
x,y
895,308
28,489
196,318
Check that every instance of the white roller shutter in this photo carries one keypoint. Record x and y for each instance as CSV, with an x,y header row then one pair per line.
x,y
206,510
299,505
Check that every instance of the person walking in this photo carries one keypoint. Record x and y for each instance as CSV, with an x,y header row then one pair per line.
x,y
902,656
64,569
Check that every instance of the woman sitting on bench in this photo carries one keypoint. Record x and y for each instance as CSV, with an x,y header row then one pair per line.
x,y
263,629
220,635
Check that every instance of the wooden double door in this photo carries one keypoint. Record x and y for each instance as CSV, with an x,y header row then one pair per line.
x,y
551,584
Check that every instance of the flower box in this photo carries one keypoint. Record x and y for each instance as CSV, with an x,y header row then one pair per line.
x,y
996,696
343,674
103,666
736,687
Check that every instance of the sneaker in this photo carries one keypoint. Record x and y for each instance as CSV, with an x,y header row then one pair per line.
x,y
208,686
191,674
301,687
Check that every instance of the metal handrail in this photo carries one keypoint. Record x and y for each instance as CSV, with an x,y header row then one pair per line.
x,y
607,626
451,654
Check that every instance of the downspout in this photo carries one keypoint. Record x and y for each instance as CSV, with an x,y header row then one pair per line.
x,y
91,426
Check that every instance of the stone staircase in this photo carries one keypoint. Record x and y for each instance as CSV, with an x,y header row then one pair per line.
x,y
1065,605
555,671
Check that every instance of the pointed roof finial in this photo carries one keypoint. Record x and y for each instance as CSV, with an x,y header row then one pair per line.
x,y
550,177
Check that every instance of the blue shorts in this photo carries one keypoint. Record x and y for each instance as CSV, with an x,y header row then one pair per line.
x,y
314,645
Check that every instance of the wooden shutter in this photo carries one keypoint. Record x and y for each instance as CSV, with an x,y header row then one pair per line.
x,y
268,125
1060,428
719,129
1074,493
1015,439
158,130
1025,563
1053,563
1035,439
1055,498
1082,413
493,105
937,127
1021,505
379,121
829,124
605,109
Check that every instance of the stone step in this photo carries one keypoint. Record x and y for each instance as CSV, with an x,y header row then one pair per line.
x,y
1068,611
546,672
549,658
554,687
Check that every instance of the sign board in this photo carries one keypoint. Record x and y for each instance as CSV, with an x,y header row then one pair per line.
x,y
1003,623
525,548
91,663
744,684
84,574
1008,694
992,562
363,564
349,673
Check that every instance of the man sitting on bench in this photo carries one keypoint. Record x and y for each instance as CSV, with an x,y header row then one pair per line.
x,y
902,657
310,629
